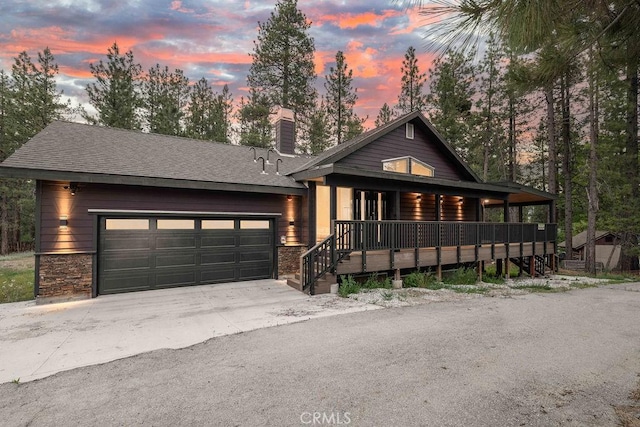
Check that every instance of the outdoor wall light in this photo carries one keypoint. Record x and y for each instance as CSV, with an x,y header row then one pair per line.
x,y
419,197
64,222
461,201
292,223
72,187
289,197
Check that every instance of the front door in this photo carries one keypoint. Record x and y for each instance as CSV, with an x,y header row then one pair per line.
x,y
369,205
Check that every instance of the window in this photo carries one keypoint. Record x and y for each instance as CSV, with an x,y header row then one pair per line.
x,y
176,224
397,165
218,224
407,165
126,224
409,131
254,225
419,168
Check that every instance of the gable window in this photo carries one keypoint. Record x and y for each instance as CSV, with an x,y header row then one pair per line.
x,y
408,165
409,131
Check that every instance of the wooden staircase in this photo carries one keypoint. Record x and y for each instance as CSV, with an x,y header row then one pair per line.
x,y
322,285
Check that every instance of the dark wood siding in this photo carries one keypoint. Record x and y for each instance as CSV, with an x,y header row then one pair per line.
x,y
395,144
56,201
412,209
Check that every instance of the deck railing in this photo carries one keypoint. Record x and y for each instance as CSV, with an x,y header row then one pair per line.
x,y
354,236
366,236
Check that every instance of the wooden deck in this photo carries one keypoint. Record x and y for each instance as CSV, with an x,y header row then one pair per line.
x,y
384,260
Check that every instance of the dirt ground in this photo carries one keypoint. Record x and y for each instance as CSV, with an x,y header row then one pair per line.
x,y
20,261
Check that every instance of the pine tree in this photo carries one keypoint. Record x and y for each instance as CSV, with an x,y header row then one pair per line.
x,y
450,100
340,100
253,116
319,131
29,101
282,69
411,97
384,116
116,93
165,99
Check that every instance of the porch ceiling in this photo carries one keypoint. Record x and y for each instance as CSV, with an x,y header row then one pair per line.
x,y
391,181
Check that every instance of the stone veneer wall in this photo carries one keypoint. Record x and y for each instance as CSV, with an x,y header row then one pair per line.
x,y
289,260
65,276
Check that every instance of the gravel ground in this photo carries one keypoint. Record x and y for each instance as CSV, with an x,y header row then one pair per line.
x,y
414,296
538,359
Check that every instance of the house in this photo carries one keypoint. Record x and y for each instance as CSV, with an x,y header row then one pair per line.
x,y
120,210
608,248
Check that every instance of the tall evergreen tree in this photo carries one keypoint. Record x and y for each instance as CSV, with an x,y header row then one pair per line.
x,y
490,104
282,68
253,117
319,131
208,113
340,99
165,98
411,97
385,115
116,93
29,101
450,100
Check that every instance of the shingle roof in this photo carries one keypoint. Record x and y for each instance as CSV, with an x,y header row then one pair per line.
x,y
80,148
338,152
580,239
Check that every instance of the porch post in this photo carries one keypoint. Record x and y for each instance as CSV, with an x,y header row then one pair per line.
x,y
333,208
479,210
312,214
552,212
396,205
520,213
438,204
508,243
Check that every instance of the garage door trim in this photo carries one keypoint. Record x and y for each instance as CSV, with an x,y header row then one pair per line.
x,y
154,215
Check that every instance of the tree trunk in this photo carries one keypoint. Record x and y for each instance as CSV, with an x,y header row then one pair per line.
x,y
592,191
551,134
630,261
4,224
566,166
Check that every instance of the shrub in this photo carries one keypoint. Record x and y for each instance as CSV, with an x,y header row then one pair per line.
x,y
421,280
373,282
462,276
348,286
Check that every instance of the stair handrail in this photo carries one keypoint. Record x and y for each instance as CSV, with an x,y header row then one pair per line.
x,y
316,262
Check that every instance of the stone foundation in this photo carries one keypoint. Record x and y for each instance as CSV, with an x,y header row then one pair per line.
x,y
289,260
64,277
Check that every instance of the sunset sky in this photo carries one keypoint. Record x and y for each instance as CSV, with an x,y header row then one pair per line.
x,y
213,39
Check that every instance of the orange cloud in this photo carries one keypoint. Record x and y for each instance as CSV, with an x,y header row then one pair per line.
x,y
355,20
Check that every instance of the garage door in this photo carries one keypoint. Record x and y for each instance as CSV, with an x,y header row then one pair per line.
x,y
138,254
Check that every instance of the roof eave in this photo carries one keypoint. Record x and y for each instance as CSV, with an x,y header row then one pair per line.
x,y
50,175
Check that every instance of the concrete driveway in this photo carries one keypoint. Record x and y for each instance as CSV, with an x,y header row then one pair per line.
x,y
557,359
40,340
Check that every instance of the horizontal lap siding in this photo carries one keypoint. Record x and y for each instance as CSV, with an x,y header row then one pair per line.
x,y
57,201
395,144
412,209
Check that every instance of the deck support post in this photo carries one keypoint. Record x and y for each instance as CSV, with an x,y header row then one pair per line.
x,y
396,274
499,267
439,273
480,267
506,269
532,266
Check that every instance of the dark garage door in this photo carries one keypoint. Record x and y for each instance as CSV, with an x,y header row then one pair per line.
x,y
138,254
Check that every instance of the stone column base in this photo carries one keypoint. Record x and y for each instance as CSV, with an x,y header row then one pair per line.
x,y
64,277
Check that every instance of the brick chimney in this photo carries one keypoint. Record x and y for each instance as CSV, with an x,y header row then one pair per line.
x,y
285,131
